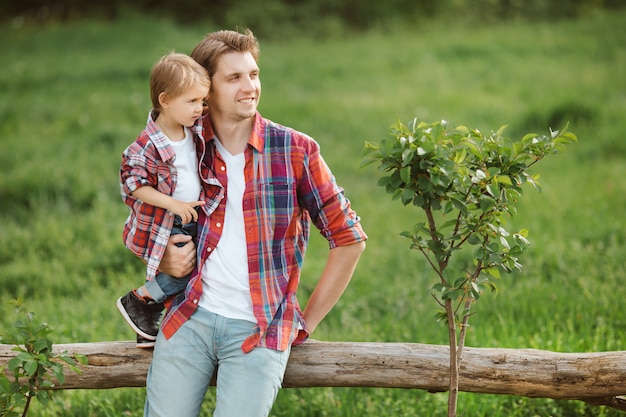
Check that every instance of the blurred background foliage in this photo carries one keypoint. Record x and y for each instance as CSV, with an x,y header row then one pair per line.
x,y
318,18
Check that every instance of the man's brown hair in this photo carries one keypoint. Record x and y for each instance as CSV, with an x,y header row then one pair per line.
x,y
216,44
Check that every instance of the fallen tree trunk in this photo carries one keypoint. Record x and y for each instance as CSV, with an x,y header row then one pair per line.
x,y
598,378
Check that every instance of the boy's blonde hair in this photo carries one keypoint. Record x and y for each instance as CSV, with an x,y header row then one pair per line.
x,y
174,74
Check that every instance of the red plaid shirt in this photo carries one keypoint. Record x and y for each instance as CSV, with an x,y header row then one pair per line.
x,y
288,186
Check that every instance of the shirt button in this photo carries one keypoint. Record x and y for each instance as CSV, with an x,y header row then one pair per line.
x,y
195,301
222,168
208,249
218,224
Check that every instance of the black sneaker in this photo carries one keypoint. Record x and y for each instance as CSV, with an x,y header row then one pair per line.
x,y
144,343
141,316
157,311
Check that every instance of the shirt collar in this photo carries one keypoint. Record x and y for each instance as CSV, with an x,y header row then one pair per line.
x,y
159,139
256,139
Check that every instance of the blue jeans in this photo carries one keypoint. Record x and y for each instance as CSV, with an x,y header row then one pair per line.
x,y
165,285
182,368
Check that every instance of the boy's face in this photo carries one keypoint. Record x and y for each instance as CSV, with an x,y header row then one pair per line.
x,y
186,108
235,87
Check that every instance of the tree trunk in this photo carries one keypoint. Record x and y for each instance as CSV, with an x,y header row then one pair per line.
x,y
598,378
453,394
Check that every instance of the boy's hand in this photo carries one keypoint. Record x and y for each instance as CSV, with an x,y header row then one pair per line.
x,y
186,210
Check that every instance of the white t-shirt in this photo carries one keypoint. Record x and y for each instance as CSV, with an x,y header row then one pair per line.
x,y
225,282
186,163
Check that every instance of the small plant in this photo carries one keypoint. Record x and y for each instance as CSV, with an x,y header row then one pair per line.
x,y
34,366
465,185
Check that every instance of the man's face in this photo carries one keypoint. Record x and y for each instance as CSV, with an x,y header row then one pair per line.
x,y
236,87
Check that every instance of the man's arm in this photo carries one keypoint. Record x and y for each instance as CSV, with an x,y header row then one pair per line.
x,y
178,261
337,273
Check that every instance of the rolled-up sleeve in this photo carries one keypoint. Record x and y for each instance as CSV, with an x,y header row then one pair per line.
x,y
326,202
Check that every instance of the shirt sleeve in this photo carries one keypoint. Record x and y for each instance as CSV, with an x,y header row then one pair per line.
x,y
326,202
133,170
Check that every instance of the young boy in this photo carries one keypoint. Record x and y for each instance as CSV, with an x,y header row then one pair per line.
x,y
159,182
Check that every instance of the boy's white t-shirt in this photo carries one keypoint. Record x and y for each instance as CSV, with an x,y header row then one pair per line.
x,y
226,288
186,163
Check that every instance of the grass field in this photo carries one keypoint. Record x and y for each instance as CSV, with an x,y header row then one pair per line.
x,y
73,96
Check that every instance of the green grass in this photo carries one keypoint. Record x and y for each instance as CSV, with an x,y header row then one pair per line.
x,y
73,96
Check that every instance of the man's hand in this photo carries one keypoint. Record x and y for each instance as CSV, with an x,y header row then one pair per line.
x,y
178,261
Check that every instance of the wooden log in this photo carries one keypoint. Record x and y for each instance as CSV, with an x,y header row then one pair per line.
x,y
598,378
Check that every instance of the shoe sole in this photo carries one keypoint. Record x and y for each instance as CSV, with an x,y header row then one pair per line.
x,y
137,330
145,345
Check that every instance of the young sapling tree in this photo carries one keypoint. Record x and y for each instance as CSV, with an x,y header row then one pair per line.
x,y
465,185
32,371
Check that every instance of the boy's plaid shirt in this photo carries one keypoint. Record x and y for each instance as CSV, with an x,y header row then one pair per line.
x,y
149,160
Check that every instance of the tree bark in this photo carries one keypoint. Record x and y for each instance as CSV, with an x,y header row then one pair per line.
x,y
598,378
454,373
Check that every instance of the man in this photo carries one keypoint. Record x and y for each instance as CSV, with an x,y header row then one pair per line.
x,y
265,183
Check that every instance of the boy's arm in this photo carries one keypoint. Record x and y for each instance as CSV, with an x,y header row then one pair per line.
x,y
152,196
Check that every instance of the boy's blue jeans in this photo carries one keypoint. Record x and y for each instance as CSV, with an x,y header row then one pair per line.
x,y
165,285
183,365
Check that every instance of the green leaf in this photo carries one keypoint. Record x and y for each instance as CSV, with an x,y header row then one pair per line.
x,y
406,197
419,200
406,234
366,162
475,291
459,282
46,384
451,294
441,316
474,239
405,174
370,146
43,397
14,363
81,359
521,240
460,156
534,180
487,203
42,345
501,130
503,179
30,367
383,181
494,272
492,286
407,156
